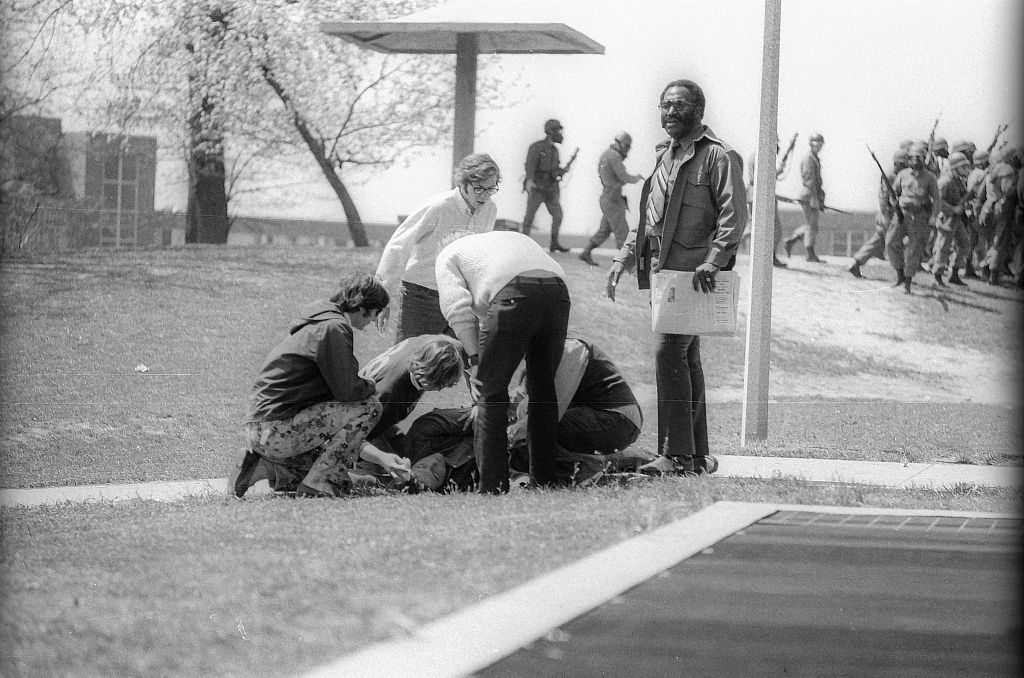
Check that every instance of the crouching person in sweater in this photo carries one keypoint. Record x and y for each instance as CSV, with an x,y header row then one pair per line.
x,y
506,301
598,417
311,410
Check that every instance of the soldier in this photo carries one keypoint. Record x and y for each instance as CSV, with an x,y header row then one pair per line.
x,y
977,237
812,200
918,193
950,232
998,212
543,172
780,172
938,156
613,176
875,246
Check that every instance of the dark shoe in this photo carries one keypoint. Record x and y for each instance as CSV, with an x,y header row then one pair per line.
x,y
247,474
969,272
855,270
900,279
812,257
557,248
906,287
710,466
938,279
585,256
788,246
955,280
778,263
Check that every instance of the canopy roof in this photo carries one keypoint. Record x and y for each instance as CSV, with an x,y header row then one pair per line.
x,y
501,28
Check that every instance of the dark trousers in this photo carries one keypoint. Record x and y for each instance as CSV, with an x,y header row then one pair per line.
x,y
548,197
586,430
420,313
527,318
682,407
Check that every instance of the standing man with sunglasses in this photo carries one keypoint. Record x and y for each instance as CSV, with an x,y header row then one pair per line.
x,y
407,264
692,215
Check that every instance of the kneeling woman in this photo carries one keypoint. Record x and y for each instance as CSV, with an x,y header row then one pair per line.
x,y
311,410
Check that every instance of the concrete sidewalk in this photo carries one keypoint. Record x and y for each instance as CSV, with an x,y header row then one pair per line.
x,y
884,474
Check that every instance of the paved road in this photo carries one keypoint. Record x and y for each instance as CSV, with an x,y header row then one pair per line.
x,y
810,594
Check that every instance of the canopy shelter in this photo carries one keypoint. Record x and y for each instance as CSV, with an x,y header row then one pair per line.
x,y
468,29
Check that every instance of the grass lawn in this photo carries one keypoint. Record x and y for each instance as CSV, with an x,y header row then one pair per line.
x,y
271,586
857,372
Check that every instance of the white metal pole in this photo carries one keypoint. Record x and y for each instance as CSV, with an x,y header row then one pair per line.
x,y
762,241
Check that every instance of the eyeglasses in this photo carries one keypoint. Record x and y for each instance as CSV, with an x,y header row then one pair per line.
x,y
480,190
678,105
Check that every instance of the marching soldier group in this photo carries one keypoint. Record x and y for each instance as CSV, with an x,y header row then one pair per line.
x,y
949,212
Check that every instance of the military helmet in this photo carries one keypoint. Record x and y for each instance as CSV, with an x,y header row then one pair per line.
x,y
906,143
900,157
940,145
624,138
918,148
552,125
980,156
817,137
1009,154
958,159
963,147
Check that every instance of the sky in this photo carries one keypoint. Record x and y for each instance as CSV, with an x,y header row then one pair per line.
x,y
857,71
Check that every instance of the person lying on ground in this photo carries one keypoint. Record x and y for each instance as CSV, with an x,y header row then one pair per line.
x,y
310,409
598,414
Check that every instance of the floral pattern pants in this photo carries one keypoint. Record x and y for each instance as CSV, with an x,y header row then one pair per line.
x,y
328,435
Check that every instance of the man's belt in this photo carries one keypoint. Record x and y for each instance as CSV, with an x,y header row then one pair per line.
x,y
654,242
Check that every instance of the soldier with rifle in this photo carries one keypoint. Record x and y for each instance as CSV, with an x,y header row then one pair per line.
x,y
978,236
950,232
917,197
543,172
781,165
812,200
887,206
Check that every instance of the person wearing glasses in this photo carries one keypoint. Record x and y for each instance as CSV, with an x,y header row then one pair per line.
x,y
407,263
692,215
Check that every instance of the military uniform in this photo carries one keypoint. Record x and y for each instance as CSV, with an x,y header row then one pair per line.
x,y
613,175
875,245
543,172
812,201
950,233
918,194
998,213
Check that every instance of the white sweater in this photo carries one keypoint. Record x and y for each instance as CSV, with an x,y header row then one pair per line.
x,y
471,270
412,249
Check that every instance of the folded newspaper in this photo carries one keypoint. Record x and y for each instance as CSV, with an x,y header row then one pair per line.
x,y
678,309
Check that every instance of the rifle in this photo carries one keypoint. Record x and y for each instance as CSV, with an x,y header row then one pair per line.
x,y
892,192
930,158
794,201
789,151
568,165
999,132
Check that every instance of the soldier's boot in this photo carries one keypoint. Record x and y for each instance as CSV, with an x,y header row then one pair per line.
x,y
812,256
994,277
585,255
938,278
778,263
900,279
252,469
855,269
969,272
787,244
954,279
906,285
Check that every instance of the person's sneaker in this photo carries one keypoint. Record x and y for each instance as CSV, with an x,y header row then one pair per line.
x,y
585,256
520,481
588,469
246,474
662,466
855,270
